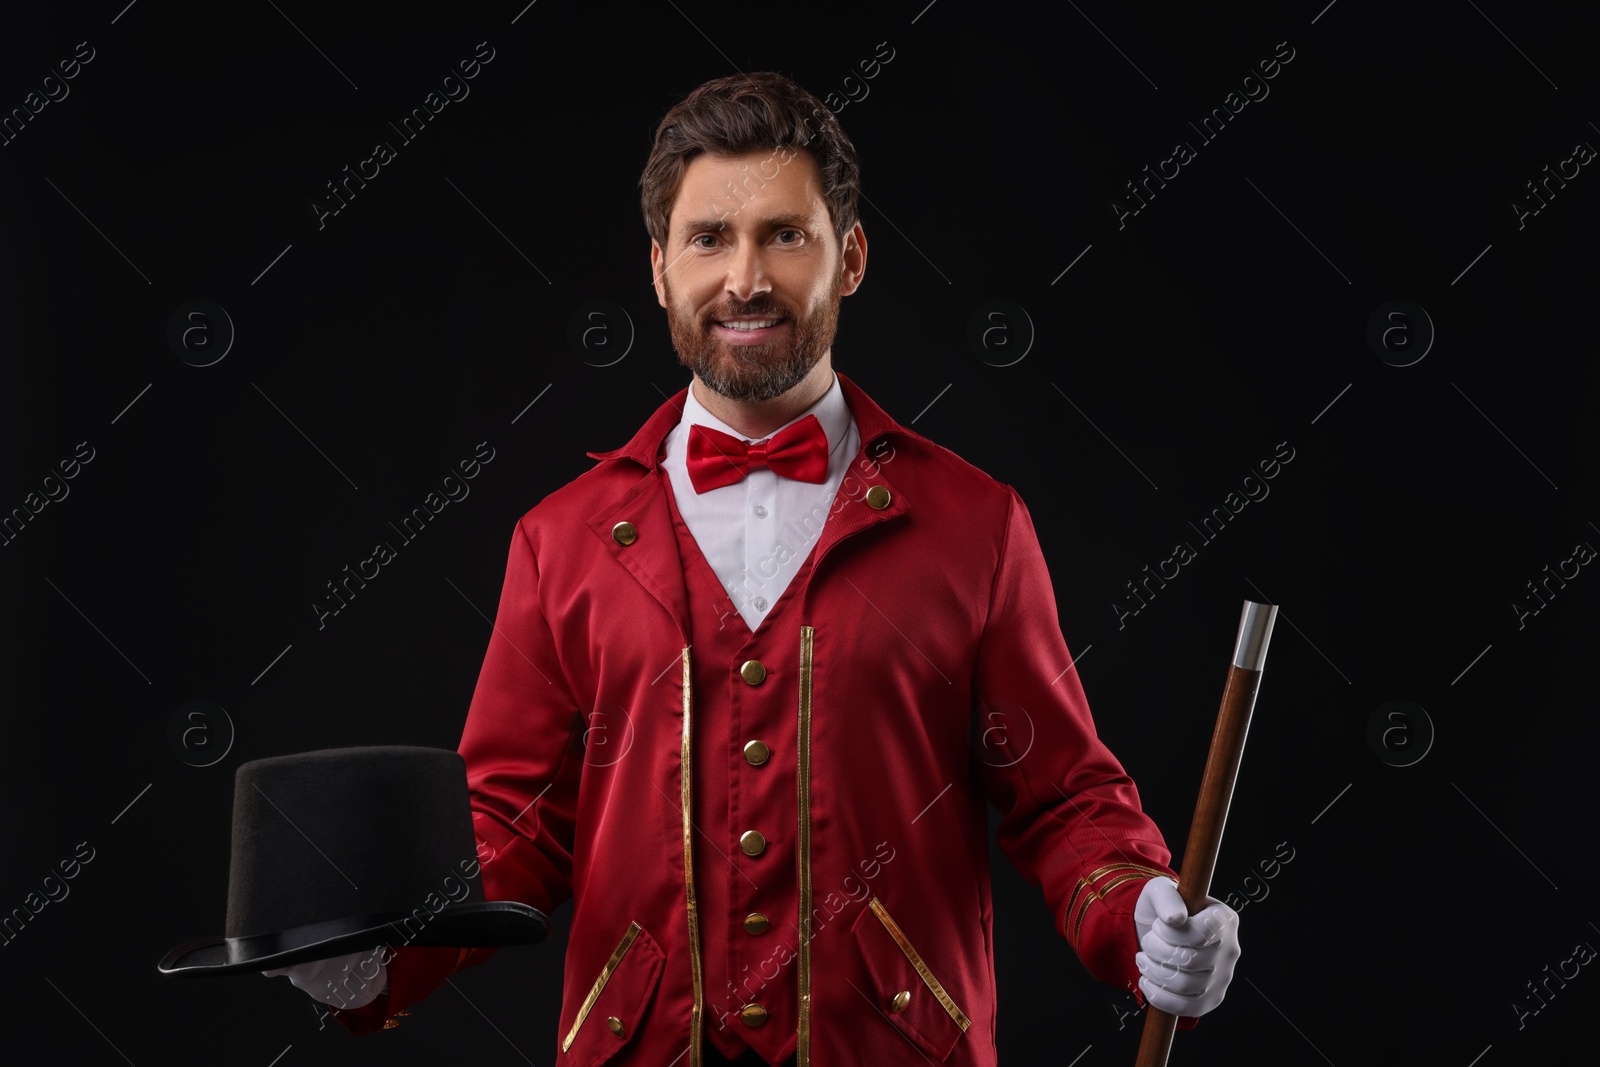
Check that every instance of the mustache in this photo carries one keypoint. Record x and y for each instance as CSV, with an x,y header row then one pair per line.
x,y
765,309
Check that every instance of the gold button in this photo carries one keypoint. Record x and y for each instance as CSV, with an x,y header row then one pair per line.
x,y
756,753
878,497
752,842
756,922
901,999
623,533
753,1015
752,671
615,1024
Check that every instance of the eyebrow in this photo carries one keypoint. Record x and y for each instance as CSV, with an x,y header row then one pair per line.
x,y
792,219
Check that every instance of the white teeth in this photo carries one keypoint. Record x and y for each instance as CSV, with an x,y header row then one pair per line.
x,y
758,324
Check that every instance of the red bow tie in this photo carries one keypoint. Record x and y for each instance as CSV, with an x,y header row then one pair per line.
x,y
798,451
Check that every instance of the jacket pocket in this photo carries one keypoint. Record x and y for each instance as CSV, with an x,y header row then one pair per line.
x,y
905,989
614,1009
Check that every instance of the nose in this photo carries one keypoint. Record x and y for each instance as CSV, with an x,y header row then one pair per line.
x,y
747,274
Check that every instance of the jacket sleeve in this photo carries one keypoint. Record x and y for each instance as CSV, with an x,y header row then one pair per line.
x,y
522,748
1071,821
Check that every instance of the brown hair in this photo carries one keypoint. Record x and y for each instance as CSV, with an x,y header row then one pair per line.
x,y
745,113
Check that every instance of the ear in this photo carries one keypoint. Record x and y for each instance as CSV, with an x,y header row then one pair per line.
x,y
853,260
656,256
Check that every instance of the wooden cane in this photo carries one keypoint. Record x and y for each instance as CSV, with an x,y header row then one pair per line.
x,y
1216,791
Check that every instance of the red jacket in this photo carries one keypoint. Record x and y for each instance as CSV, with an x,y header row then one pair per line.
x,y
928,677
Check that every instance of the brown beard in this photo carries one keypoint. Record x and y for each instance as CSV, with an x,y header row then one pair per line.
x,y
758,372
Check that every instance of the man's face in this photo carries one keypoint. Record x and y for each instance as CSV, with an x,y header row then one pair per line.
x,y
753,272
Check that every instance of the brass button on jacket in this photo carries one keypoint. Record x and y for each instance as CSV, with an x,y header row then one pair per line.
x,y
756,753
753,671
901,999
615,1025
623,533
752,842
756,922
878,497
753,1014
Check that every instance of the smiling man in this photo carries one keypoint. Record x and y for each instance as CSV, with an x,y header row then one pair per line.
x,y
756,675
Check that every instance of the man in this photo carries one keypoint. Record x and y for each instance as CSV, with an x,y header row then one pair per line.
x,y
755,676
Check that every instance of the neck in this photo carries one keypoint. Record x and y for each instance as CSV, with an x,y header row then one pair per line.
x,y
760,418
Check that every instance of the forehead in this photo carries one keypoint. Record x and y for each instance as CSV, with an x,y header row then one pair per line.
x,y
744,189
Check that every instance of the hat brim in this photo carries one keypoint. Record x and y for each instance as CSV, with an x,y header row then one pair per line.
x,y
472,925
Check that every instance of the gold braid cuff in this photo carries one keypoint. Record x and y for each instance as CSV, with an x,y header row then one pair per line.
x,y
1086,892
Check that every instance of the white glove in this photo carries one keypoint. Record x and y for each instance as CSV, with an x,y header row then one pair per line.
x,y
352,981
1187,960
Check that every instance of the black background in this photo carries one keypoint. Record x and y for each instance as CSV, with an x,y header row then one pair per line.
x,y
1177,352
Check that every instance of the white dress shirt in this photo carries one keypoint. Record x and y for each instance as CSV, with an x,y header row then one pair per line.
x,y
757,532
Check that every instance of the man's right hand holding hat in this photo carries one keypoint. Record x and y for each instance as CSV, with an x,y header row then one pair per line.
x,y
341,981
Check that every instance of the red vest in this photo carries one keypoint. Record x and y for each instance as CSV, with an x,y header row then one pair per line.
x,y
745,772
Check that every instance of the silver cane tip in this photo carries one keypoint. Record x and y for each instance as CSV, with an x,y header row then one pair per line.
x,y
1255,631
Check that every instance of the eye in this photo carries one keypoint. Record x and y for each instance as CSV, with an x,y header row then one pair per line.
x,y
795,237
699,237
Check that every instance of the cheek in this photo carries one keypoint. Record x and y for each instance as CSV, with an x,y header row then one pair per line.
x,y
693,303
823,294
692,290
803,285
823,270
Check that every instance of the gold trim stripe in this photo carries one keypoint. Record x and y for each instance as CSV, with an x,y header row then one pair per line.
x,y
1072,904
916,961
1095,875
1088,880
1136,870
697,1013
600,982
803,976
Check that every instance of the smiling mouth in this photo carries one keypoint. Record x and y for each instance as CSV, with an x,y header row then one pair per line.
x,y
745,325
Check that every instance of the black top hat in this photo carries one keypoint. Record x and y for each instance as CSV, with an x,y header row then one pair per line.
x,y
345,849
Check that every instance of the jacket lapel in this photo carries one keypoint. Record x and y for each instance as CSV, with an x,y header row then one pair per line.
x,y
652,557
